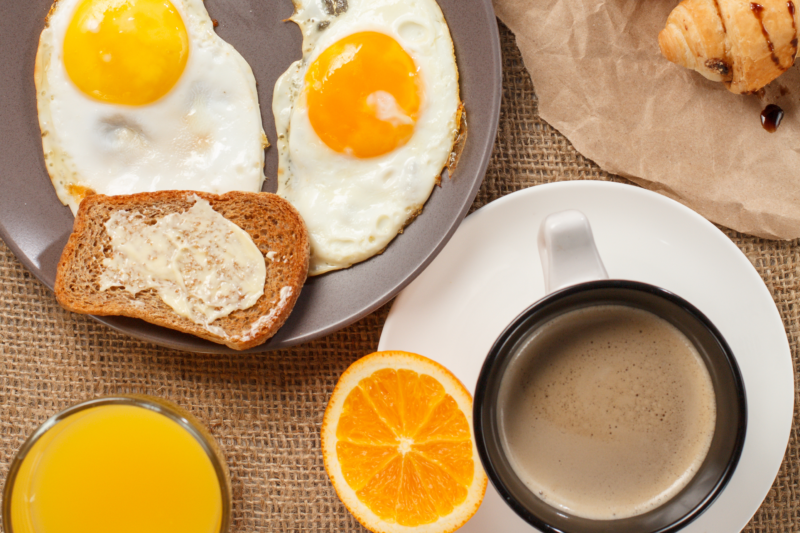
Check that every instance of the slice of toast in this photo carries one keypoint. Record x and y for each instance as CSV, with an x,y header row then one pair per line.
x,y
274,225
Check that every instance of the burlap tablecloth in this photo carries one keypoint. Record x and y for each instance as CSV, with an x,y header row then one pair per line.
x,y
266,410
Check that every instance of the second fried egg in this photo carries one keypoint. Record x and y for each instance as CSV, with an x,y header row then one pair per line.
x,y
366,121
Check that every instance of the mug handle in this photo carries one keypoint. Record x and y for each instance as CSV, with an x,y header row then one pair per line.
x,y
567,250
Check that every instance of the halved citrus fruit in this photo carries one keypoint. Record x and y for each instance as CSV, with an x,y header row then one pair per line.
x,y
398,448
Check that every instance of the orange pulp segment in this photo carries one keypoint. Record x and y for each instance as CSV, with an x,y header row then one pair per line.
x,y
404,441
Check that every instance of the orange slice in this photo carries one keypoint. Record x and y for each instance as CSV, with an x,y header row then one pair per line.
x,y
398,448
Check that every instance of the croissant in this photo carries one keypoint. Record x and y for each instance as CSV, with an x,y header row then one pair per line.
x,y
744,44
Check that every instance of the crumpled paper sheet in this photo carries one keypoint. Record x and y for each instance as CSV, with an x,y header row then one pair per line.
x,y
602,82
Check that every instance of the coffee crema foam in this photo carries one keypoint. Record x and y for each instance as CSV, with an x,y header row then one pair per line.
x,y
607,412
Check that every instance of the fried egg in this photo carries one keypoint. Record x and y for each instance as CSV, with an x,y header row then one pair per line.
x,y
142,95
366,121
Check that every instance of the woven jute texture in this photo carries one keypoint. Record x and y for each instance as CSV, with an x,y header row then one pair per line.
x,y
266,410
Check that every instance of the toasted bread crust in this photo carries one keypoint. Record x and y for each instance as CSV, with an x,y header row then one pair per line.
x,y
272,223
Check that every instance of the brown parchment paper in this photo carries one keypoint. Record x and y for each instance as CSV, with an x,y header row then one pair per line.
x,y
602,82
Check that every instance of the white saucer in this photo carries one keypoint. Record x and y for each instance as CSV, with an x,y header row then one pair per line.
x,y
490,271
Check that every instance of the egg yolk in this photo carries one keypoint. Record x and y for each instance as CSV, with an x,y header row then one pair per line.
x,y
129,52
363,95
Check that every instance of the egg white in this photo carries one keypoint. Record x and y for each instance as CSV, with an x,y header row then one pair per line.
x,y
205,134
354,207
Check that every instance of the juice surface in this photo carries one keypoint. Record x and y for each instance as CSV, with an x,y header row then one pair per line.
x,y
117,469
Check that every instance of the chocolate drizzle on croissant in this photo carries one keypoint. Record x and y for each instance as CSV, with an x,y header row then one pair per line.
x,y
790,5
718,65
719,14
758,9
741,43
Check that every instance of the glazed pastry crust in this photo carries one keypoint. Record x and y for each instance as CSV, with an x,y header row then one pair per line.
x,y
744,44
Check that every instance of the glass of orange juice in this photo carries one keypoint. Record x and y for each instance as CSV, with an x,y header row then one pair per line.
x,y
127,464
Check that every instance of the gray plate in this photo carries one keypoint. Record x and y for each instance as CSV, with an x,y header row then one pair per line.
x,y
36,226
